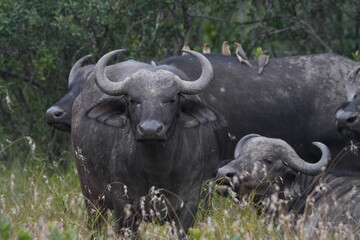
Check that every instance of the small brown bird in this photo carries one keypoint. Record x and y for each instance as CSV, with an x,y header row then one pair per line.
x,y
206,48
241,55
226,48
262,61
185,47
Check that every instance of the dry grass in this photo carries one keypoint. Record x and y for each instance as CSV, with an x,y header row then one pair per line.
x,y
48,205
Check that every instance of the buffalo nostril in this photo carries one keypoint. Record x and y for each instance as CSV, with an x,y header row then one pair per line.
x,y
54,113
159,129
58,113
351,119
230,174
141,129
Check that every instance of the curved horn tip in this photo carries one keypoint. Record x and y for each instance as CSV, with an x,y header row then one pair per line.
x,y
318,144
89,56
116,51
353,73
241,143
77,65
105,58
188,51
107,86
196,86
321,146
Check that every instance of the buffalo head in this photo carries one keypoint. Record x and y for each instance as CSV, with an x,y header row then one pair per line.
x,y
152,99
59,115
260,161
348,114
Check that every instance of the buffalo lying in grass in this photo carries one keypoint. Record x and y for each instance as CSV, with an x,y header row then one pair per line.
x,y
267,166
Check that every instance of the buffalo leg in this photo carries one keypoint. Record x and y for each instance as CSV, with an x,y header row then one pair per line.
x,y
127,218
97,213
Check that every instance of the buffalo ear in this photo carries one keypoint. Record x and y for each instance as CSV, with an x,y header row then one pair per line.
x,y
195,112
109,111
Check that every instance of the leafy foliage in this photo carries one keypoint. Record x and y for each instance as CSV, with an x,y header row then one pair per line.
x,y
356,55
41,40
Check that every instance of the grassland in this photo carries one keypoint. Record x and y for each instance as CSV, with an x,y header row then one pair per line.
x,y
42,202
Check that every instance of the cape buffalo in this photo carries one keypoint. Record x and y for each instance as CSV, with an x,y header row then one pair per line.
x,y
348,114
267,166
151,132
294,100
59,115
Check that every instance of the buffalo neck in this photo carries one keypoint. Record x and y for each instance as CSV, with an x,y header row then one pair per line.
x,y
157,160
300,189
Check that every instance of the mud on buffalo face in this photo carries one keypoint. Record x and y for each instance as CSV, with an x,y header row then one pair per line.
x,y
348,118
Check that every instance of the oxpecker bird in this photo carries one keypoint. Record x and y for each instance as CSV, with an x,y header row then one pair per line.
x,y
226,49
206,48
263,60
241,55
185,47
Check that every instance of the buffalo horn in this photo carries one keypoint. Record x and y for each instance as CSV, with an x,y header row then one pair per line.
x,y
76,67
350,83
106,85
304,167
241,143
194,87
352,74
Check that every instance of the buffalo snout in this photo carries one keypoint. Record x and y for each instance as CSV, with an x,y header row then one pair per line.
x,y
58,118
226,171
347,120
151,130
54,113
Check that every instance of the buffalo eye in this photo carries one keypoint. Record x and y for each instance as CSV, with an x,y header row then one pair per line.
x,y
267,160
171,101
134,102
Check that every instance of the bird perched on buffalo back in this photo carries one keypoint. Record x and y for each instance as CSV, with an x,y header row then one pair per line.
x,y
226,48
241,55
206,48
263,60
185,47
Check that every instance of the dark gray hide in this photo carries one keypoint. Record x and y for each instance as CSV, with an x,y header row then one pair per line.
x,y
58,116
262,163
174,150
294,100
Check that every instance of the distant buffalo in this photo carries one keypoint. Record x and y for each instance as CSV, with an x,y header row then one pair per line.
x,y
294,100
59,115
143,130
266,166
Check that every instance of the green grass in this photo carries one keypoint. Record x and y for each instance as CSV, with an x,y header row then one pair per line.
x,y
36,202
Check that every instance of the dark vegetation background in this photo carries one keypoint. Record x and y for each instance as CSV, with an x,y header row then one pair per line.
x,y
40,40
